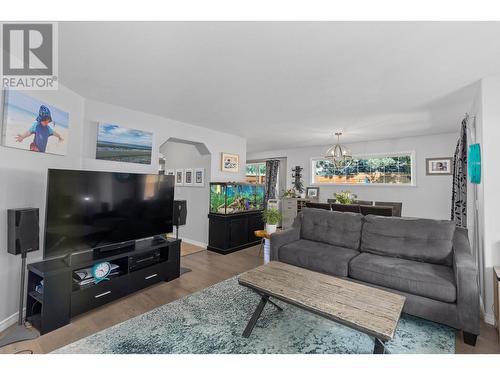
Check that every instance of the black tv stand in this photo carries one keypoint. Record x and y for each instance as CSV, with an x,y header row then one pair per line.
x,y
121,247
62,298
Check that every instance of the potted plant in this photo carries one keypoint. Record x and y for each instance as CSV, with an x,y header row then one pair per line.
x,y
344,197
290,193
271,217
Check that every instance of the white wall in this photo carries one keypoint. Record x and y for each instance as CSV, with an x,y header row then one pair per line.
x,y
181,155
163,129
488,133
23,177
23,173
430,198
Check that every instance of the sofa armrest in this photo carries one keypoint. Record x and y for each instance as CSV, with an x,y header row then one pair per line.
x,y
466,279
279,239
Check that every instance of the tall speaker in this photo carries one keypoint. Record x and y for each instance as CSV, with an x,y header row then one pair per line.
x,y
180,212
23,230
22,238
180,215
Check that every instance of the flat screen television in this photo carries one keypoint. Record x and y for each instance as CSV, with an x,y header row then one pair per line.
x,y
89,209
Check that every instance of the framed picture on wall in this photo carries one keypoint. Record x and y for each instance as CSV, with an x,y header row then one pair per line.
x,y
188,176
438,166
199,177
118,143
170,172
32,125
312,192
179,177
230,162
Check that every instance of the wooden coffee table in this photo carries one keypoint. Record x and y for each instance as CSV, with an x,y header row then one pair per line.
x,y
366,309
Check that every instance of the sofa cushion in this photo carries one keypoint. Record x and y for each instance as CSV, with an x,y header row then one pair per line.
x,y
317,256
422,279
334,228
425,240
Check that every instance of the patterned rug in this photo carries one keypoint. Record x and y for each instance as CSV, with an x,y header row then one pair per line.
x,y
212,320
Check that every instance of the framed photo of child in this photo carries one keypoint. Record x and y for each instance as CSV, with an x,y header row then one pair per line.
x,y
32,125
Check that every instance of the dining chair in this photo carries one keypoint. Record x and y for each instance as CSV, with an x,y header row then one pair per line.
x,y
345,207
365,203
397,207
376,210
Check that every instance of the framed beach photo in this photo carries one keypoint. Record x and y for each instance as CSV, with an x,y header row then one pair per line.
x,y
438,166
188,176
118,143
230,162
312,192
199,177
179,177
32,125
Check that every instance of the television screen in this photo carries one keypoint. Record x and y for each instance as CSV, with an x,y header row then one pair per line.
x,y
88,209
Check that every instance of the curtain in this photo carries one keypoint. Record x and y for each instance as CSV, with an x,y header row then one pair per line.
x,y
272,167
459,187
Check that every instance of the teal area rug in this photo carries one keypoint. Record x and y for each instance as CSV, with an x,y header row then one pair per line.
x,y
212,321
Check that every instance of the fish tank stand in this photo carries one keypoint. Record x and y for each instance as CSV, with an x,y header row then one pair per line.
x,y
233,232
235,214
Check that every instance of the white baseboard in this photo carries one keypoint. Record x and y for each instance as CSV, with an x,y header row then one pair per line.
x,y
490,319
193,242
7,322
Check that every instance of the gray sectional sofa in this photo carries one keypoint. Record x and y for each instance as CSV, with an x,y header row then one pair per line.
x,y
427,261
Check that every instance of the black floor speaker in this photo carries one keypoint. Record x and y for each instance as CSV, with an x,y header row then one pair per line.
x,y
180,212
22,238
23,230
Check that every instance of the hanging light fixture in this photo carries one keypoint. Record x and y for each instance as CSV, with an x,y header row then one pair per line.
x,y
339,155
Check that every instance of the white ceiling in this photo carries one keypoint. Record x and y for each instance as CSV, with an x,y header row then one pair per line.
x,y
286,84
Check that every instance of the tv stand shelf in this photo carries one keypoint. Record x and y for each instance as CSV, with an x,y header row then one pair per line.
x,y
63,298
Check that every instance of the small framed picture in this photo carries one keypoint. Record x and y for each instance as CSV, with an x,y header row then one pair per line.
x,y
188,176
199,177
312,192
230,162
170,172
179,177
438,166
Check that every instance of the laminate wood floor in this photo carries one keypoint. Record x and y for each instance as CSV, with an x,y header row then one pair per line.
x,y
188,249
208,268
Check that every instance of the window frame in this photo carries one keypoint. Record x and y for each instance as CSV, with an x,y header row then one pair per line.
x,y
257,174
367,156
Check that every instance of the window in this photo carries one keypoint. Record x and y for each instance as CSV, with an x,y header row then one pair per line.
x,y
256,173
388,169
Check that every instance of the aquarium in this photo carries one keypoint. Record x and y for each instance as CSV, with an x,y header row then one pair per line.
x,y
231,198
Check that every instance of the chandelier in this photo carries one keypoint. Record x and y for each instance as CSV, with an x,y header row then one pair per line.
x,y
339,155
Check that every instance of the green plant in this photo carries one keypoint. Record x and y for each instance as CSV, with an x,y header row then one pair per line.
x,y
290,193
271,216
344,197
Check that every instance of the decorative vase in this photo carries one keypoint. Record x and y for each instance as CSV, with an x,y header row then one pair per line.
x,y
270,228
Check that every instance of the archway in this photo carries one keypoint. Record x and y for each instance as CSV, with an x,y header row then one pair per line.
x,y
192,159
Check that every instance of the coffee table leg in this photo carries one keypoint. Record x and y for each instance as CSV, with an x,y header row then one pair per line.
x,y
271,301
379,347
275,305
256,314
